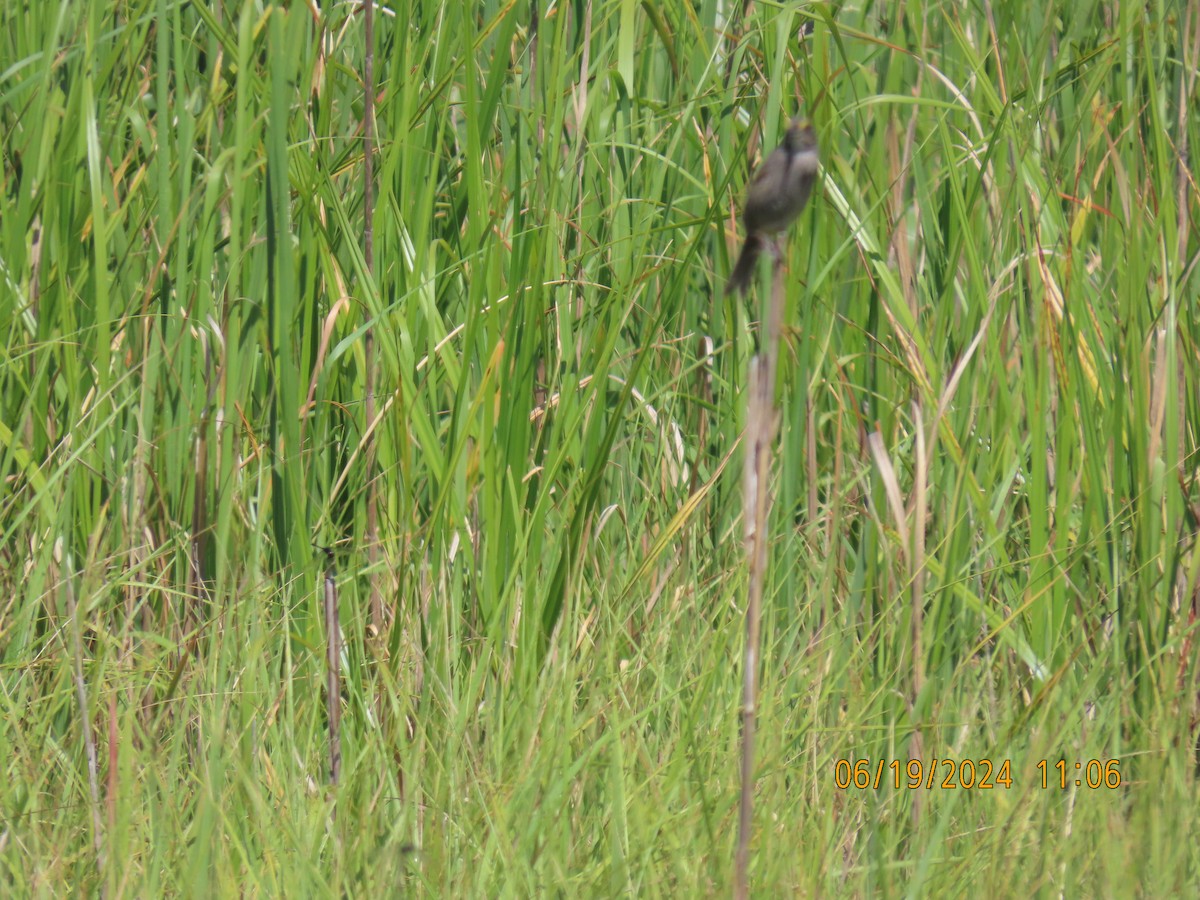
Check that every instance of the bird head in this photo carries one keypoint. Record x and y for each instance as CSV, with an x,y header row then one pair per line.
x,y
800,136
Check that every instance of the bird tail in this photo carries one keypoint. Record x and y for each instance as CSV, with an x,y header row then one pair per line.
x,y
739,279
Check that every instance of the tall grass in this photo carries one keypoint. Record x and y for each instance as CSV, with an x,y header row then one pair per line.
x,y
985,495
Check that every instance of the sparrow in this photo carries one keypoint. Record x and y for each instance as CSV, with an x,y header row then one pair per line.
x,y
777,194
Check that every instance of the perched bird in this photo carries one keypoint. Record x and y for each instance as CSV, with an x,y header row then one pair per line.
x,y
777,194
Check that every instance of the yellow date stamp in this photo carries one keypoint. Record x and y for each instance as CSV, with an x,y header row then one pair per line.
x,y
971,774
950,774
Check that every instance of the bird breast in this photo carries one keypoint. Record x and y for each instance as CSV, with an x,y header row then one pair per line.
x,y
780,192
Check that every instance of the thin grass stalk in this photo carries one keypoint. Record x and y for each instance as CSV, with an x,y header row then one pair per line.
x,y
333,652
760,432
198,589
85,722
376,599
917,580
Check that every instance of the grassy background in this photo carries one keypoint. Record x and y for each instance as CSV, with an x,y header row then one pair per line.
x,y
986,501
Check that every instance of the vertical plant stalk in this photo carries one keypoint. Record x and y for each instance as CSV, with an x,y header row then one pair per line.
x,y
533,48
920,512
333,654
756,479
372,536
85,721
1187,90
197,593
